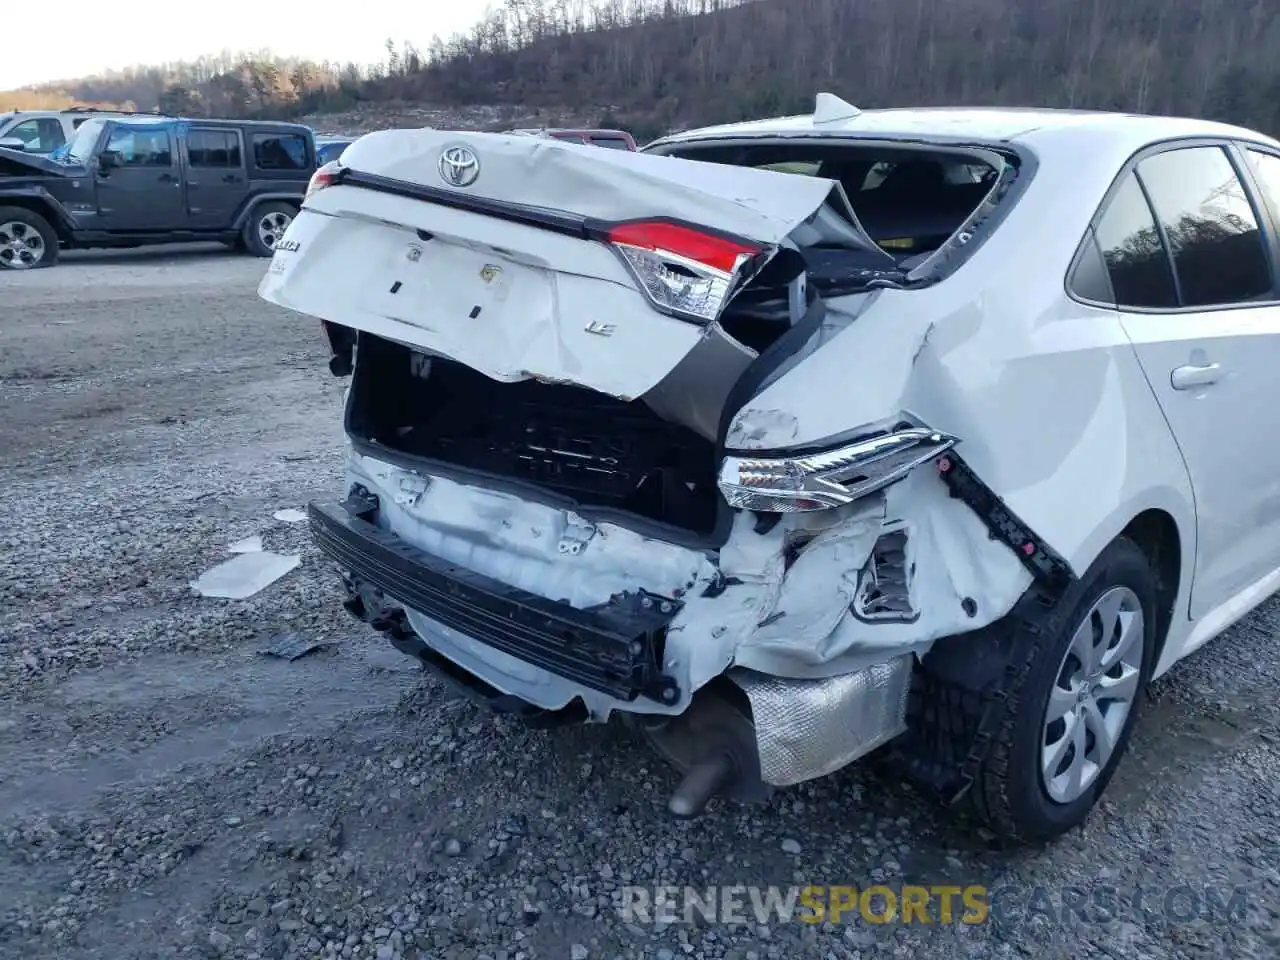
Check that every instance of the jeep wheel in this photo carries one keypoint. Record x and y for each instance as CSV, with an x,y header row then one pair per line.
x,y
27,241
266,227
1072,711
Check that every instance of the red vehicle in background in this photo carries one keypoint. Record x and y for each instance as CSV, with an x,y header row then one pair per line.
x,y
613,139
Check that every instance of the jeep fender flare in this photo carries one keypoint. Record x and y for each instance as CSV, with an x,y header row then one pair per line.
x,y
45,204
260,198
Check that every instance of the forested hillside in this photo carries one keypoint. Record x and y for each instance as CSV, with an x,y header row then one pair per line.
x,y
664,63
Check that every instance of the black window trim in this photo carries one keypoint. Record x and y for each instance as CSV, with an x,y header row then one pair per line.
x,y
1264,209
197,127
1170,263
1268,225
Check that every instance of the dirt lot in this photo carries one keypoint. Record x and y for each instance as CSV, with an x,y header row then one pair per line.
x,y
165,791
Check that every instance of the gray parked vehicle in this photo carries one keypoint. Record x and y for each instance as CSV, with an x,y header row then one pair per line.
x,y
135,181
45,131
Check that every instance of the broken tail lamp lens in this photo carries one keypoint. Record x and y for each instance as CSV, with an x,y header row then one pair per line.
x,y
829,478
681,270
326,176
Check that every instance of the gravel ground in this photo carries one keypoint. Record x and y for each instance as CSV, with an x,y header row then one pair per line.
x,y
166,791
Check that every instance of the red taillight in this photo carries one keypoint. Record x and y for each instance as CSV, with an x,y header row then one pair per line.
x,y
682,271
326,176
719,253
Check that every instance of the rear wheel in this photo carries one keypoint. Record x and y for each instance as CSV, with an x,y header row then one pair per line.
x,y
1072,711
266,227
27,241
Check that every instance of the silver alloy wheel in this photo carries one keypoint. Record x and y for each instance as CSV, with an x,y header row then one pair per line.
x,y
272,227
1092,696
21,245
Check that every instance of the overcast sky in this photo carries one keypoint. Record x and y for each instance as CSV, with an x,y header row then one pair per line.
x,y
94,37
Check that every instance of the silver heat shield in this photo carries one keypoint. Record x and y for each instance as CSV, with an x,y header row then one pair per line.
x,y
809,728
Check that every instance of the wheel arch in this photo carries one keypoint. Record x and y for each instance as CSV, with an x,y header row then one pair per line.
x,y
1161,521
1156,533
43,208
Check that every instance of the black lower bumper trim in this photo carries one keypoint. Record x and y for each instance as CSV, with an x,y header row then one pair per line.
x,y
615,648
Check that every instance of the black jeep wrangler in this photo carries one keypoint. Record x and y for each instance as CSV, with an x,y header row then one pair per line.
x,y
134,181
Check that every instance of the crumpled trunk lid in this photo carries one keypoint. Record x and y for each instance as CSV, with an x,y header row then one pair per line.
x,y
509,274
618,186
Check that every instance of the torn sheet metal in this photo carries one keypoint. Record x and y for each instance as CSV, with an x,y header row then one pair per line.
x,y
962,580
244,574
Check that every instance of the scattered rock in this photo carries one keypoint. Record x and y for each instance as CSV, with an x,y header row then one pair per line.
x,y
219,941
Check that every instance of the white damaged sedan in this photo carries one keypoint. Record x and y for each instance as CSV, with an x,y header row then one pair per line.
x,y
796,439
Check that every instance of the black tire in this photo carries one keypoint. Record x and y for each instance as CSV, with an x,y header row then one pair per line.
x,y
27,240
1010,793
254,234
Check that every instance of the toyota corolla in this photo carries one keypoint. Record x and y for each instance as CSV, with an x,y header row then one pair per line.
x,y
798,439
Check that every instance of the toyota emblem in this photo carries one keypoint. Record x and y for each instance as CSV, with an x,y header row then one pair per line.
x,y
459,166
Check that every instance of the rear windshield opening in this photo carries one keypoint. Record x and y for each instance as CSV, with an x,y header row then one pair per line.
x,y
909,200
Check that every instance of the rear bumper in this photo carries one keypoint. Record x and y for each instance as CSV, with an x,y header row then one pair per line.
x,y
614,649
609,652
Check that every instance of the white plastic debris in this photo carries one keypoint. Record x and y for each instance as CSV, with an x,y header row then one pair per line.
x,y
290,515
247,545
244,574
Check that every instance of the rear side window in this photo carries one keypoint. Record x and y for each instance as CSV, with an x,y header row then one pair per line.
x,y
280,151
1132,251
1209,224
214,148
613,143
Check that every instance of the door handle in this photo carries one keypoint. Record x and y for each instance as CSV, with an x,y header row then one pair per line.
x,y
1185,378
231,178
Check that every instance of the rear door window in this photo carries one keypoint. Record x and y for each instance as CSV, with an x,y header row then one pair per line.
x,y
613,143
215,149
1209,225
